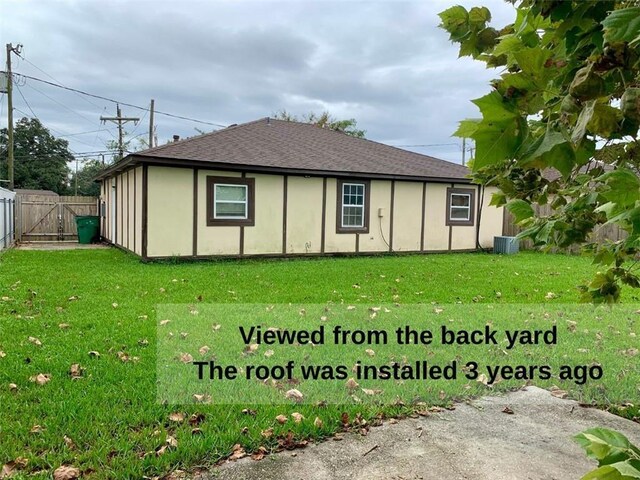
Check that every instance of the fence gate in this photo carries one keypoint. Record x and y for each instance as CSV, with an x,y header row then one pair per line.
x,y
51,217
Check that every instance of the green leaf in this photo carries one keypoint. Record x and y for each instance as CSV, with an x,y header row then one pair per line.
x,y
552,150
498,199
624,186
478,16
494,108
580,130
531,61
495,142
520,209
605,120
622,26
455,20
605,473
467,128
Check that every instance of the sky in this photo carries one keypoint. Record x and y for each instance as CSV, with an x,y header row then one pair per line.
x,y
384,63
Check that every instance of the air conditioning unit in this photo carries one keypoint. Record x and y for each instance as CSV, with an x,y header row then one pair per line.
x,y
506,245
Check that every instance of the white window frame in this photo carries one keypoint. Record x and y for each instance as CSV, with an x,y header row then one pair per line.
x,y
362,207
452,206
245,202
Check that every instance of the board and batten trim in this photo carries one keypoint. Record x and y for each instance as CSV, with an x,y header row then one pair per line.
x,y
424,212
324,214
135,206
195,212
391,207
145,209
241,239
285,182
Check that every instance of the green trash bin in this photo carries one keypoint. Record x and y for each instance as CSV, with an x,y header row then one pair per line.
x,y
88,228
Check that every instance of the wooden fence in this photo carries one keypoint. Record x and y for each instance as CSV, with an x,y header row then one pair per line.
x,y
601,234
50,217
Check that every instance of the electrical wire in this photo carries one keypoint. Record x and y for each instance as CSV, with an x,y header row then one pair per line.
x,y
107,99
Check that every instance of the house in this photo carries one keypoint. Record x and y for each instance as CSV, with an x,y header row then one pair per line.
x,y
278,188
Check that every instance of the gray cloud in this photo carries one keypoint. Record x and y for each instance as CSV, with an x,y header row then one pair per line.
x,y
384,63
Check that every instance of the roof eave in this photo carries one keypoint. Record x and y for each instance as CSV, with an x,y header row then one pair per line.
x,y
205,164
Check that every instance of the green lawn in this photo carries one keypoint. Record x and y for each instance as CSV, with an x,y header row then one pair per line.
x,y
108,423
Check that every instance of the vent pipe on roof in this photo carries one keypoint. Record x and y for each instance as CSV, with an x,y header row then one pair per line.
x,y
176,138
268,121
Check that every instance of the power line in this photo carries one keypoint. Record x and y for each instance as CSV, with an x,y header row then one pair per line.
x,y
428,145
181,117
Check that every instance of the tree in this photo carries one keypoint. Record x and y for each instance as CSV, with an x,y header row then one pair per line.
x,y
324,120
40,158
85,179
567,101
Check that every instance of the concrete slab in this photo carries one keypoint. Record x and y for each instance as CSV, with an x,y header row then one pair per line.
x,y
475,441
60,246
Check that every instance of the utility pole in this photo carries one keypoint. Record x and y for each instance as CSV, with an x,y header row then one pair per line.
x,y
464,148
10,159
120,120
151,123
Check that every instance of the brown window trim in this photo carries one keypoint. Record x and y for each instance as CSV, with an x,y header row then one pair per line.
x,y
227,222
472,207
367,190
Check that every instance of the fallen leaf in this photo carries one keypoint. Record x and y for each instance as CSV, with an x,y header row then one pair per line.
x,y
63,325
438,310
13,387
294,394
368,391
482,378
259,454
442,395
196,431
282,419
177,417
186,358
66,473
171,442
268,433
36,429
550,296
114,305
183,335
93,353
75,371
73,298
351,307
370,352
268,353
248,411
201,398
69,443
237,452
41,378
143,342
251,349
2,354
297,417
318,423
35,341
631,352
164,322
203,350
507,410
559,393
196,419
351,384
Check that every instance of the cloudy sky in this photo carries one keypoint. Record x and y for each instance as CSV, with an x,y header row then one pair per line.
x,y
384,63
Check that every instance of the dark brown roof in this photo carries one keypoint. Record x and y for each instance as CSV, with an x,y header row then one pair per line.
x,y
277,145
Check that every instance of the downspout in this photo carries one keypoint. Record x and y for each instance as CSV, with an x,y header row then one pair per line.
x,y
479,217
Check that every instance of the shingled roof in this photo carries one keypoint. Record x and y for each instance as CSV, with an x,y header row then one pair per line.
x,y
270,145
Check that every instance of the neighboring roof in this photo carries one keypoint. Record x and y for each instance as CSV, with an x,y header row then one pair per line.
x,y
278,145
551,174
28,191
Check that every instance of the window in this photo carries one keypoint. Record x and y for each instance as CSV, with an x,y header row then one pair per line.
x,y
353,207
230,201
460,206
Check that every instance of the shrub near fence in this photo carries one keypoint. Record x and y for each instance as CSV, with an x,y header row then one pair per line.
x,y
601,234
7,218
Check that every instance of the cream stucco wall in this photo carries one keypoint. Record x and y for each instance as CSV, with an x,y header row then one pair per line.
x,y
336,242
407,212
304,215
214,240
170,216
464,237
266,235
436,232
169,211
491,221
375,241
